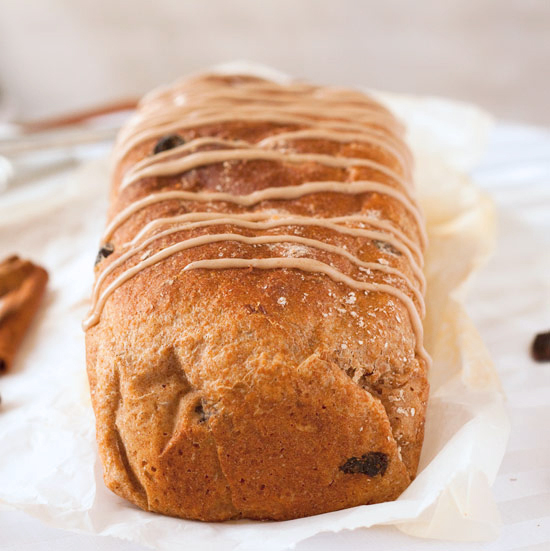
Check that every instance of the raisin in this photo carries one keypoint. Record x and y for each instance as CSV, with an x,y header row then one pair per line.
x,y
540,349
168,142
105,251
199,410
371,464
258,309
387,247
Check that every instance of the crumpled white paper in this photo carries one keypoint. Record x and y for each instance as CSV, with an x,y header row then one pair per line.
x,y
48,458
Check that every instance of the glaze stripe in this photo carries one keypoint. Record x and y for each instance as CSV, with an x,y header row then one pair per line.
x,y
391,234
152,168
98,301
125,145
267,194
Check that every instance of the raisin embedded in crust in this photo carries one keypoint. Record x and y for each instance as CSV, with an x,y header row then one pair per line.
x,y
387,247
201,413
258,309
168,142
540,349
371,464
104,252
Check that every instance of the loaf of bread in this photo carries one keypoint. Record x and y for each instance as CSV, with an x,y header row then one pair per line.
x,y
254,344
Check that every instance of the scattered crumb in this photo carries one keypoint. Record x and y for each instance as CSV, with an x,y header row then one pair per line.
x,y
397,398
292,249
281,301
371,213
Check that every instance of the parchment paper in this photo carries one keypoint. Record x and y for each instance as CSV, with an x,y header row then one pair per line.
x,y
48,457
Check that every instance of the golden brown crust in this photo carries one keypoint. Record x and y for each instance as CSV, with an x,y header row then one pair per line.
x,y
236,393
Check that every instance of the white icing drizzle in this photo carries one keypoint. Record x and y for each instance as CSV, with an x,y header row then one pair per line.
x,y
182,103
99,301
309,108
152,168
400,154
263,115
267,194
321,114
159,108
197,220
369,137
256,89
402,243
257,92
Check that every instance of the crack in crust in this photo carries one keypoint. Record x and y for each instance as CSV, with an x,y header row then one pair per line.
x,y
132,476
119,474
121,447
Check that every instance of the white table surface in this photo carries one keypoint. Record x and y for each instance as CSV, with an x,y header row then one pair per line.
x,y
516,172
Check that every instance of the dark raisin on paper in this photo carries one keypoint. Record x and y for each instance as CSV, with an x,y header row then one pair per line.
x,y
105,251
168,142
371,464
540,349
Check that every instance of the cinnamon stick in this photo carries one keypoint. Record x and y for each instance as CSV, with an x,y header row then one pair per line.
x,y
22,286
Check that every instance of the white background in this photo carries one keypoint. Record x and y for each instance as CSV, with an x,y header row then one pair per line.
x,y
60,54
